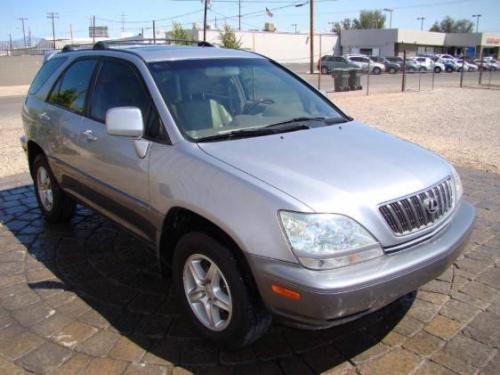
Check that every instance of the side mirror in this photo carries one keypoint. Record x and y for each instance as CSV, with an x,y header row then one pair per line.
x,y
125,121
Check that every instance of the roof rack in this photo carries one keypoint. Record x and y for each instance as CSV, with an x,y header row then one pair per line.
x,y
107,44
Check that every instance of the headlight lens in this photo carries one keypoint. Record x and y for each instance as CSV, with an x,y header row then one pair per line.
x,y
459,190
325,241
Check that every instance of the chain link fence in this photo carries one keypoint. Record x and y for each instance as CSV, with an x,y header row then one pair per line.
x,y
468,74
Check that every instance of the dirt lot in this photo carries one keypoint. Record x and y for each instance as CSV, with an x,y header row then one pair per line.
x,y
463,125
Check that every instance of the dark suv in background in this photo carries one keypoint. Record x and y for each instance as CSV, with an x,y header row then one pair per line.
x,y
329,63
390,67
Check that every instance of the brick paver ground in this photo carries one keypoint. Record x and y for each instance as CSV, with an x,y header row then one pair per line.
x,y
86,297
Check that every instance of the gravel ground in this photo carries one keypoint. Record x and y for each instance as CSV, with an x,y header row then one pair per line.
x,y
463,125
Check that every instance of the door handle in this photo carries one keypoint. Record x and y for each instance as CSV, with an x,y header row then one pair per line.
x,y
44,116
89,134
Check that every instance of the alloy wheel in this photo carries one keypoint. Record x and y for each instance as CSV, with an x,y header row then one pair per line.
x,y
207,292
44,187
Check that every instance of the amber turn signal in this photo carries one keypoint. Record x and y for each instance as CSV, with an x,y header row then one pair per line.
x,y
285,292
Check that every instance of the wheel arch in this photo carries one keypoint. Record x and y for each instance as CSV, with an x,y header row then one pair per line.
x,y
33,150
179,221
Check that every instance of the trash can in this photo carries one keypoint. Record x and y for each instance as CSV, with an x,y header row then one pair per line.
x,y
341,79
355,79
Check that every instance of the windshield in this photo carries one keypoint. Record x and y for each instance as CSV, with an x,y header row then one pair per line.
x,y
208,97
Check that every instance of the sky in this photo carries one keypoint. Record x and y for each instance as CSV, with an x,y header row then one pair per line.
x,y
138,14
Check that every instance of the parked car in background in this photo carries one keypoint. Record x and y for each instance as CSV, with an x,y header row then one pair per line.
x,y
425,64
366,64
445,56
468,67
438,66
329,63
487,64
450,65
390,67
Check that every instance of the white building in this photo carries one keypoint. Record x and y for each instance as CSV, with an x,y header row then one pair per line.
x,y
392,42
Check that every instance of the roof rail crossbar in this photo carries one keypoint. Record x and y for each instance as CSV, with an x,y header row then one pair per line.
x,y
105,44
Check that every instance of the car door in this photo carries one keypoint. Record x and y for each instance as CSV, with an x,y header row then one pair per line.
x,y
65,108
116,167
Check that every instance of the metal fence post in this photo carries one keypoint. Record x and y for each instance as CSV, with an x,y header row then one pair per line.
x,y
403,80
319,64
419,78
481,68
368,80
433,75
462,71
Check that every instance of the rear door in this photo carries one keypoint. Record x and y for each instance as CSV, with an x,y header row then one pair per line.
x,y
65,109
116,167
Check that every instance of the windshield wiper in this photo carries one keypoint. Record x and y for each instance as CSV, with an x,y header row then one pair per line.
x,y
252,132
327,120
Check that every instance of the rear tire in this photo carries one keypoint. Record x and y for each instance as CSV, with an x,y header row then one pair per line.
x,y
241,318
55,205
376,71
392,70
324,70
437,70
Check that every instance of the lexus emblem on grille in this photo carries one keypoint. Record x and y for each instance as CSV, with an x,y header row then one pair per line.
x,y
431,205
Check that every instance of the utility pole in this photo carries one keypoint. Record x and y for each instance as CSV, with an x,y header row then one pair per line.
x,y
476,16
93,29
311,36
205,6
71,32
390,10
295,27
154,32
10,43
29,36
53,16
22,19
123,15
421,19
239,15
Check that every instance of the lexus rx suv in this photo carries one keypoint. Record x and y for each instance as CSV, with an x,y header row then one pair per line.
x,y
259,196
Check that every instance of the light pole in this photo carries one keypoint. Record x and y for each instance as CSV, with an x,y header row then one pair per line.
x,y
476,16
390,15
294,25
421,19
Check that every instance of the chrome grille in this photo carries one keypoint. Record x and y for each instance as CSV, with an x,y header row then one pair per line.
x,y
420,210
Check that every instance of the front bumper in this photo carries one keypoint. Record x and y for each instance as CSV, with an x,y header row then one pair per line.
x,y
336,296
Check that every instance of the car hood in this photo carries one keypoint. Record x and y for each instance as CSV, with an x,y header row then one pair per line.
x,y
345,168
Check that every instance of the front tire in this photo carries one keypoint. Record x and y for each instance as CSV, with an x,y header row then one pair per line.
x,y
216,293
392,70
377,71
324,70
437,70
55,205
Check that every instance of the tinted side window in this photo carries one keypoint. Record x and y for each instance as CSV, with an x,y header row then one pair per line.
x,y
44,74
71,89
118,85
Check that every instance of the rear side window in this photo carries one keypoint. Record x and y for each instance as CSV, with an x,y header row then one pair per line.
x,y
44,74
71,89
118,85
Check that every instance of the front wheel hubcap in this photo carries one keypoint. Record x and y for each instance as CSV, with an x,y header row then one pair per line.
x,y
207,292
44,187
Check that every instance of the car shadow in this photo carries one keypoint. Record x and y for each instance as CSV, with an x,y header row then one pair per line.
x,y
102,276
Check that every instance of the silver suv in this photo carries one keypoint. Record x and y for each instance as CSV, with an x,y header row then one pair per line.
x,y
260,197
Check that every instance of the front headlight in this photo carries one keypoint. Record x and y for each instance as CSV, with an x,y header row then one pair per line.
x,y
459,190
325,241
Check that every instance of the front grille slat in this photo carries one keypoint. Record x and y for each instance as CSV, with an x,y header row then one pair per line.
x,y
420,210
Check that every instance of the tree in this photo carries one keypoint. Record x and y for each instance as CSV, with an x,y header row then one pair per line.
x,y
345,24
369,19
178,33
228,38
450,25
